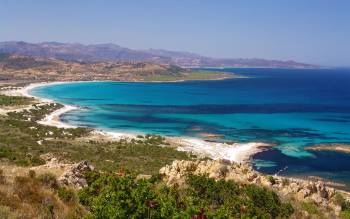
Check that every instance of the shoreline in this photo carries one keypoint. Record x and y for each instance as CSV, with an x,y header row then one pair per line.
x,y
236,152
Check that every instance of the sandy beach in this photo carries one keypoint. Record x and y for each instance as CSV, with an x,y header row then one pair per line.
x,y
237,152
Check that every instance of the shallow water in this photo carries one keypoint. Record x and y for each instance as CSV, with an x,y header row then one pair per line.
x,y
291,108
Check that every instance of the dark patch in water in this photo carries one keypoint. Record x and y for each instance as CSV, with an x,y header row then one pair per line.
x,y
321,161
329,165
84,99
228,108
333,120
268,134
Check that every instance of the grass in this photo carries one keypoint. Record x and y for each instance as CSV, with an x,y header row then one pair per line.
x,y
310,207
345,214
192,75
27,197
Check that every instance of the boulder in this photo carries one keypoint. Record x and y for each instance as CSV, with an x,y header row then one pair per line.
x,y
75,176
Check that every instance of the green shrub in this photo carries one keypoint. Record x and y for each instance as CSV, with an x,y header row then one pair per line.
x,y
310,207
91,176
272,180
111,196
6,153
341,201
345,214
66,194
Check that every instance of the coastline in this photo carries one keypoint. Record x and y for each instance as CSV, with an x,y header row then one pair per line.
x,y
236,152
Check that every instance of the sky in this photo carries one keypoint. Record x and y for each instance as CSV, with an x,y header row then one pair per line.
x,y
311,31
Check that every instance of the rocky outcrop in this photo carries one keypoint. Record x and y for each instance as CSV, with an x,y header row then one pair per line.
x,y
298,189
75,176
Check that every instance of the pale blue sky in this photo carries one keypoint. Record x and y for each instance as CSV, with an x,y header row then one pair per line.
x,y
313,31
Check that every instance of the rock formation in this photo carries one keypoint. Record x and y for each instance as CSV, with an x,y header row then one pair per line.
x,y
75,176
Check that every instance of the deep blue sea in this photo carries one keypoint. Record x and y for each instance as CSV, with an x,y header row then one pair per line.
x,y
290,108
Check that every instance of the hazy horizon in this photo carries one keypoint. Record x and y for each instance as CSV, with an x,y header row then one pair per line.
x,y
315,32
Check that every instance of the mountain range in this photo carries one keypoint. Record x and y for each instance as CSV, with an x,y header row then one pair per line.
x,y
113,52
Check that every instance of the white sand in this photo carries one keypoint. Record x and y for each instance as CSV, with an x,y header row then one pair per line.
x,y
53,119
237,152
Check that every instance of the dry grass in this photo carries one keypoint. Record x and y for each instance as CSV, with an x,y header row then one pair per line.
x,y
29,196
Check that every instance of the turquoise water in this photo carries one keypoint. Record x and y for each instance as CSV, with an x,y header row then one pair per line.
x,y
290,108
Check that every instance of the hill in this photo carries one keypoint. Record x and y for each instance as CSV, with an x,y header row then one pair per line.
x,y
112,52
18,68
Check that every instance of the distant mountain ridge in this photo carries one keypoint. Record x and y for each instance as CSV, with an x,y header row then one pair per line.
x,y
113,52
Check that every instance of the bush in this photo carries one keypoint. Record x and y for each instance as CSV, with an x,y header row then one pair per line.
x,y
340,200
310,207
31,174
111,196
345,214
66,194
117,197
2,177
272,180
6,153
49,180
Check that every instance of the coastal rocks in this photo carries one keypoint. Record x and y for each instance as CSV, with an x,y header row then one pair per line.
x,y
75,176
343,148
302,190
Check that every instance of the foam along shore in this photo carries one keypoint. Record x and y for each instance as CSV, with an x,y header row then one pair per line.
x,y
236,152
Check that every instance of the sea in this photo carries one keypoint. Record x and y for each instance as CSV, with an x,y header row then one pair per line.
x,y
288,108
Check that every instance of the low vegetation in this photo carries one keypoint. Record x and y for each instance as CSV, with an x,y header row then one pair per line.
x,y
14,101
345,206
190,75
112,196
